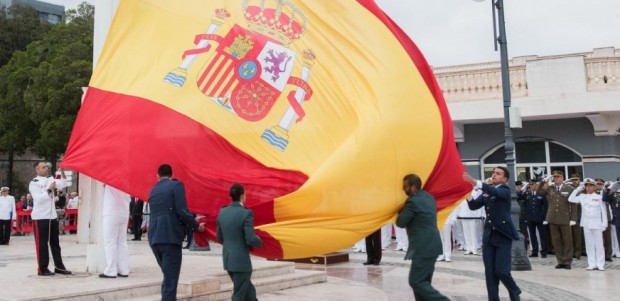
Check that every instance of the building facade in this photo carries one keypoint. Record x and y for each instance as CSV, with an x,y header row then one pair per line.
x,y
48,12
569,107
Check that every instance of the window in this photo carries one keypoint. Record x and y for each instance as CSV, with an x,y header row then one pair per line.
x,y
535,159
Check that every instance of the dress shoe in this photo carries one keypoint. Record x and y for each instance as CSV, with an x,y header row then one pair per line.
x,y
534,255
601,269
121,275
62,271
106,276
559,266
543,255
136,239
577,257
609,260
186,247
376,263
367,263
46,273
567,266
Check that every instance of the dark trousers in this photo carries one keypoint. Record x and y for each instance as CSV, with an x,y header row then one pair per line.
x,y
373,247
577,239
169,257
5,231
420,278
189,236
562,238
46,232
496,255
243,289
607,241
533,226
136,226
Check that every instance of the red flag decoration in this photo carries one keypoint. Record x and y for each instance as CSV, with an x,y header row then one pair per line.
x,y
318,108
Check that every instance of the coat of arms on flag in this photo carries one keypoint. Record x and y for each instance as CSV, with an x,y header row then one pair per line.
x,y
250,67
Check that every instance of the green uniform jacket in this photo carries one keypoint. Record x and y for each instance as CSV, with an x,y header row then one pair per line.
x,y
235,230
419,216
560,211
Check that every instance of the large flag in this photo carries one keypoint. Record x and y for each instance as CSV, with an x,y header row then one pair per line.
x,y
318,107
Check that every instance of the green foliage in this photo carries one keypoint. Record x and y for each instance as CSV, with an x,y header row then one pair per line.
x,y
41,83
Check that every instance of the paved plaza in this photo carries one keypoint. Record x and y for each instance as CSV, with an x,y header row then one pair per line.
x,y
462,279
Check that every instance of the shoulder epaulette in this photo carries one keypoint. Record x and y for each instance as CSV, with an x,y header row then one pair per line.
x,y
35,180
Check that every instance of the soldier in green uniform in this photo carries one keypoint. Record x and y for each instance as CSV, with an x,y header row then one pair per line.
x,y
561,216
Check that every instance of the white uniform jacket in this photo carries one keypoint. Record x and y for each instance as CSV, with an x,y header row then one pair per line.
x,y
42,200
7,207
593,209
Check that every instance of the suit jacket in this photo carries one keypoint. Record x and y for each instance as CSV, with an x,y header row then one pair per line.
x,y
496,202
419,216
560,211
534,207
135,208
169,214
235,230
613,199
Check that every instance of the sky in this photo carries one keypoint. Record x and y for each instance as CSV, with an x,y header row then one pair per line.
x,y
455,32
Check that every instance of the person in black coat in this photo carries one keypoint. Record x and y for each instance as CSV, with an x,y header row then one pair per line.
x,y
135,209
169,217
611,195
498,233
535,212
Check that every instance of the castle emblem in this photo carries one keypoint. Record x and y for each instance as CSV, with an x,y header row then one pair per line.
x,y
251,66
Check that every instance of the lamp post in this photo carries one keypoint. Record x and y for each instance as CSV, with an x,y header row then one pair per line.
x,y
520,260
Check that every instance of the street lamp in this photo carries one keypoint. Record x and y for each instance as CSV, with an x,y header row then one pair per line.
x,y
520,260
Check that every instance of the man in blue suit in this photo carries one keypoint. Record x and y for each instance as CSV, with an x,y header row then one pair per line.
x,y
498,234
235,230
419,216
169,217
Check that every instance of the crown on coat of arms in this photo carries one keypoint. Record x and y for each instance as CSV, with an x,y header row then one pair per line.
x,y
274,22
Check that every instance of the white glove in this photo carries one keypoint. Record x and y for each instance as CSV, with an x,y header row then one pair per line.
x,y
614,187
572,223
549,179
604,229
545,223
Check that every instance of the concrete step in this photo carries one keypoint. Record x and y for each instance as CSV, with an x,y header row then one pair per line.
x,y
266,281
219,287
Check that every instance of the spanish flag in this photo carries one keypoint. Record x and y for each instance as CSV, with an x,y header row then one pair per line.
x,y
319,108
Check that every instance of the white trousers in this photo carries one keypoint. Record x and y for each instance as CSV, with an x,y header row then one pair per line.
x,y
458,233
402,240
115,245
360,246
386,236
472,232
595,248
446,241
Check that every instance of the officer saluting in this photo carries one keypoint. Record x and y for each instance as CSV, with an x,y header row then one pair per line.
x,y
45,219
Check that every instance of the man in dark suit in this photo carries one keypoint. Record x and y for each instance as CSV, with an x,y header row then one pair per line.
x,y
535,212
419,216
169,217
135,208
498,234
235,230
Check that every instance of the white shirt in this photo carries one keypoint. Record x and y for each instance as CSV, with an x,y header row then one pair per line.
x,y
43,202
7,207
73,203
115,202
593,215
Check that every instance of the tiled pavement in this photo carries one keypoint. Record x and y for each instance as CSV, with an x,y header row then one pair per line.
x,y
462,279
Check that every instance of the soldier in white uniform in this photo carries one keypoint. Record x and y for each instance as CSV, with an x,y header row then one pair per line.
x,y
593,221
7,215
45,219
115,219
446,236
472,225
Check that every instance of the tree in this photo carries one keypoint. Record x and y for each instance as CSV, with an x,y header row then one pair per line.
x,y
19,26
65,57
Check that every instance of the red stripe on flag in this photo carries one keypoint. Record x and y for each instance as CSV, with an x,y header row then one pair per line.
x,y
218,72
138,135
445,183
206,71
223,76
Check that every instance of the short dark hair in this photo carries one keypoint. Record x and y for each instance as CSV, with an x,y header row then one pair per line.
x,y
506,173
164,170
413,180
236,191
36,164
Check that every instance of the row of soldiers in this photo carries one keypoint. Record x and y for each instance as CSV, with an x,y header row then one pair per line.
x,y
545,208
